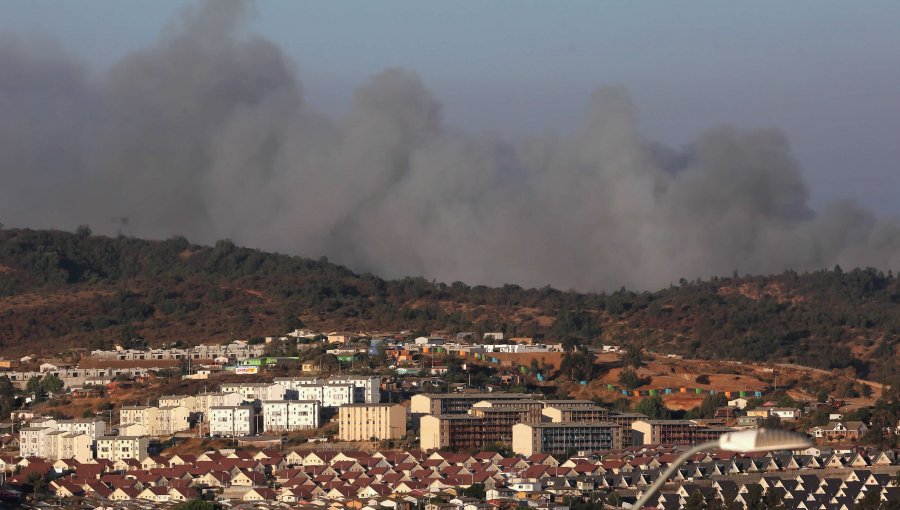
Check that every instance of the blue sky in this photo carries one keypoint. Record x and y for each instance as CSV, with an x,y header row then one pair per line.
x,y
826,73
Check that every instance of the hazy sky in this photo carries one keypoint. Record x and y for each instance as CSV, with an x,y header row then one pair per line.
x,y
826,73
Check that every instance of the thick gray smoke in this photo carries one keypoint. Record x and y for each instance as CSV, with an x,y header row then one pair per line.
x,y
206,134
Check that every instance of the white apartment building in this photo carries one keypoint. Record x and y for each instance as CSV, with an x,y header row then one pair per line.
x,y
33,441
366,389
206,401
116,448
255,390
54,440
232,421
68,445
93,427
289,415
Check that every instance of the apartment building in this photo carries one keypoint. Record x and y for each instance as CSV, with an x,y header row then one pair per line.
x,y
237,350
143,417
288,415
206,401
93,427
116,448
533,407
191,402
232,421
154,421
33,441
563,412
481,427
365,389
674,432
362,422
565,438
255,390
458,403
624,419
60,444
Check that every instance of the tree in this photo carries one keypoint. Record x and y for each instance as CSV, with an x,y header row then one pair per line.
x,y
196,504
653,407
633,356
52,384
34,387
474,491
695,501
629,379
570,344
7,396
36,481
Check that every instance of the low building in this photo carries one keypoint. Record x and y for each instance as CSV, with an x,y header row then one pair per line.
x,y
362,422
786,413
565,438
840,429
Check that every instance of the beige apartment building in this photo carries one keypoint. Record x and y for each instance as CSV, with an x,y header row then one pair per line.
x,y
577,413
674,432
116,448
362,422
565,438
154,421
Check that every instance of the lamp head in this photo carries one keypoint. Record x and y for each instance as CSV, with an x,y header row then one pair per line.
x,y
763,440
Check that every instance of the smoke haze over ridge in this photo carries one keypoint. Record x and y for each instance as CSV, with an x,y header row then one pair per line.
x,y
206,134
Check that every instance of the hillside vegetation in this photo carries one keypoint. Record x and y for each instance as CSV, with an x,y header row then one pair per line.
x,y
63,290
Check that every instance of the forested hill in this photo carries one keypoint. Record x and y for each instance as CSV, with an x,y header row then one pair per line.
x,y
60,290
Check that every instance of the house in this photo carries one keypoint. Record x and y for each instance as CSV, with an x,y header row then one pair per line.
x,y
840,430
786,413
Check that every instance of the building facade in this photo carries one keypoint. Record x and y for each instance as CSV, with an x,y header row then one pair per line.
x,y
233,421
289,415
565,438
362,422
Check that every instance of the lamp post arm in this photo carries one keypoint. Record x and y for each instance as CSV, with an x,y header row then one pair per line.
x,y
673,467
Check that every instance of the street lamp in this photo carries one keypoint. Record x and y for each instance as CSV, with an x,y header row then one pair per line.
x,y
744,441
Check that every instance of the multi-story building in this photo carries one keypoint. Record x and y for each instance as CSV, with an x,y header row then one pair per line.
x,y
457,403
154,421
116,448
255,390
143,416
575,413
365,389
674,432
33,441
232,421
565,438
288,415
476,430
206,401
533,407
171,419
624,419
63,439
189,401
362,422
93,427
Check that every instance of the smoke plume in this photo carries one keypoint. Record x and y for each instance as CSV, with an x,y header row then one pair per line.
x,y
206,134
